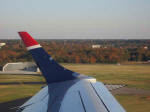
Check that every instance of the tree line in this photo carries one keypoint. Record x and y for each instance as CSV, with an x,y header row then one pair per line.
x,y
80,51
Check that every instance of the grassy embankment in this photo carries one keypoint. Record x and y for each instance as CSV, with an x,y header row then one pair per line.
x,y
134,76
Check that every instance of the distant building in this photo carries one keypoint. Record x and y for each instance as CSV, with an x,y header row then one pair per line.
x,y
145,47
96,46
21,66
2,44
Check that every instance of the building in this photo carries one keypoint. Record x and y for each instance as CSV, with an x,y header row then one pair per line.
x,y
145,47
2,44
96,46
21,66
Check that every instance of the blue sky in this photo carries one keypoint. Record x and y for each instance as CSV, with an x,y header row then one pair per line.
x,y
77,19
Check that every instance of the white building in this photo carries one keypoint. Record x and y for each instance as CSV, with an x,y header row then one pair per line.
x,y
21,66
96,46
2,44
145,47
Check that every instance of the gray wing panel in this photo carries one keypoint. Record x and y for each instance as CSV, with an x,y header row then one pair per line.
x,y
72,103
38,103
81,97
38,106
107,98
87,95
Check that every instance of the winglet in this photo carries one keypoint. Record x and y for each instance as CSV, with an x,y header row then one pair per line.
x,y
52,71
29,42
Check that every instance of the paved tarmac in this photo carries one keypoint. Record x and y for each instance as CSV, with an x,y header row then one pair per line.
x,y
14,83
18,72
131,91
11,106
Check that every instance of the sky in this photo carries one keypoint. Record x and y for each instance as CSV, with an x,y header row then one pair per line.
x,y
75,19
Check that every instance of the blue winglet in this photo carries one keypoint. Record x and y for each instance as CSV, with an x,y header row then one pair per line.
x,y
52,71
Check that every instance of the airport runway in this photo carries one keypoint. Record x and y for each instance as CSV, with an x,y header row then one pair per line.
x,y
19,72
14,83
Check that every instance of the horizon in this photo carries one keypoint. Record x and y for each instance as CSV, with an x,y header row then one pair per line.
x,y
77,39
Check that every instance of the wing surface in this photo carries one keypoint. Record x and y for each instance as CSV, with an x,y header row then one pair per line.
x,y
89,96
66,91
86,95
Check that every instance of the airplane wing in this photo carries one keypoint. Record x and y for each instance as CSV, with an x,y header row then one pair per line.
x,y
66,91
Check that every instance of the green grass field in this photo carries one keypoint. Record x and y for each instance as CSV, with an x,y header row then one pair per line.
x,y
134,76
13,92
137,76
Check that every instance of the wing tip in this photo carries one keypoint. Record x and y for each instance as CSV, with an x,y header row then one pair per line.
x,y
27,39
22,32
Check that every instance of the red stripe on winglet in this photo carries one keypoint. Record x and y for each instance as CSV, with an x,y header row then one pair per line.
x,y
27,39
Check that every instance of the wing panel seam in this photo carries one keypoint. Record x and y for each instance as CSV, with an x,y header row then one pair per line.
x,y
100,97
82,101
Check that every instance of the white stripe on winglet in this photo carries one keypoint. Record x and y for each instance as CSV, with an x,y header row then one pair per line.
x,y
33,47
